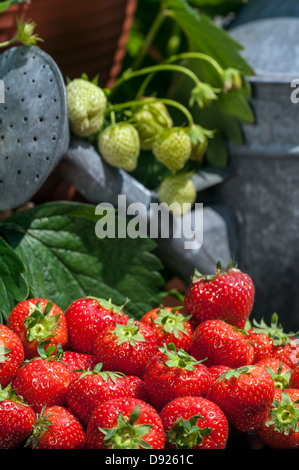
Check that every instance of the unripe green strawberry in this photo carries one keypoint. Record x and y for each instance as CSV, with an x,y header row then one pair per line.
x,y
179,189
172,148
150,120
86,104
119,145
199,138
198,150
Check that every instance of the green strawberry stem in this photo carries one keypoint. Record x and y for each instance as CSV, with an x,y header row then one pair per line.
x,y
128,333
4,352
275,331
129,74
126,434
9,393
178,357
40,325
105,375
197,55
128,104
281,379
284,414
185,434
42,424
185,55
171,322
162,14
109,305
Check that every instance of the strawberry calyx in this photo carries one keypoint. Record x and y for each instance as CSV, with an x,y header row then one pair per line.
x,y
117,309
235,373
9,393
178,358
284,414
185,434
42,424
4,351
171,321
39,324
127,434
231,267
128,333
274,331
105,375
280,379
48,353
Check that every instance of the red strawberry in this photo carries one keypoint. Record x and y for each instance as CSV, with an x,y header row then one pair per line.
x,y
11,355
262,344
78,362
221,344
279,371
137,388
173,373
170,326
16,419
125,423
194,423
36,321
288,353
227,296
87,317
57,428
284,347
294,378
281,428
92,388
244,395
126,348
216,371
43,381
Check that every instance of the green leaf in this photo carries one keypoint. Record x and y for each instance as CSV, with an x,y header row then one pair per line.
x,y
218,7
13,285
4,5
203,35
65,260
217,153
235,104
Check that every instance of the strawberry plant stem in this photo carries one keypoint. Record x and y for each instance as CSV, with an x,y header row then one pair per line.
x,y
162,14
128,104
129,74
196,55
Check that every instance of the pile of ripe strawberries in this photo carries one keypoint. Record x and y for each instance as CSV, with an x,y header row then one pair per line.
x,y
92,377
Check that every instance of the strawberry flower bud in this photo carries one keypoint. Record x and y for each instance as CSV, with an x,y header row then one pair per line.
x,y
203,94
232,79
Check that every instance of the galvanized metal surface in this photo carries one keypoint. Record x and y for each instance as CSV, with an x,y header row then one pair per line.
x,y
34,131
98,182
264,183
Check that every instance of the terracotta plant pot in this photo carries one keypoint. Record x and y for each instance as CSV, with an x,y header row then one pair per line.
x,y
8,26
82,36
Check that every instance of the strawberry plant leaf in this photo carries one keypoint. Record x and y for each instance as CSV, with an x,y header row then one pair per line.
x,y
65,260
203,35
13,285
4,5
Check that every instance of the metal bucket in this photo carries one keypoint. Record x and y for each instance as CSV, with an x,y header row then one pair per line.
x,y
263,188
